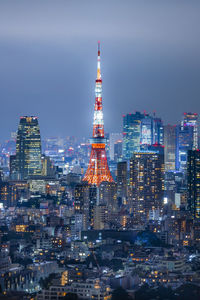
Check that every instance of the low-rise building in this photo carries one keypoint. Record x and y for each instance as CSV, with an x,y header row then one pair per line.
x,y
90,289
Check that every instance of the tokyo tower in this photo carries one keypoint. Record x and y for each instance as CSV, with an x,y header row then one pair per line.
x,y
98,169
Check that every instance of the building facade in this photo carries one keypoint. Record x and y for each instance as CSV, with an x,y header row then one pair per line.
x,y
139,130
131,134
186,139
147,183
28,148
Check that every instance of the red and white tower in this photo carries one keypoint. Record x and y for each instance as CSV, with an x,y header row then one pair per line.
x,y
98,169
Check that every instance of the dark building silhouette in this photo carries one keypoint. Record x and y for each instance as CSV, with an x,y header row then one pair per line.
x,y
122,179
193,179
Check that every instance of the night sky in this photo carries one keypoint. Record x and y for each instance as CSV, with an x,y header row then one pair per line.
x,y
150,58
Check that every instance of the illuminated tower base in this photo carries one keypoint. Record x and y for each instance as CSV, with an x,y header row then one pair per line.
x,y
98,169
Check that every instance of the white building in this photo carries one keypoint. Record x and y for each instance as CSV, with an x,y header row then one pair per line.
x,y
90,289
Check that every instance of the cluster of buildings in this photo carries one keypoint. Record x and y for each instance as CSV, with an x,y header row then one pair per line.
x,y
85,217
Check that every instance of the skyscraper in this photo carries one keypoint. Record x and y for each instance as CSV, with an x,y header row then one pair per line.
x,y
186,139
139,130
146,130
81,194
152,131
158,131
98,169
147,183
131,134
85,201
191,119
193,179
122,179
81,203
113,138
170,146
118,146
108,198
28,148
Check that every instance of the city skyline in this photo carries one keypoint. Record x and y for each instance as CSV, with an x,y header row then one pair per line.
x,y
157,63
99,150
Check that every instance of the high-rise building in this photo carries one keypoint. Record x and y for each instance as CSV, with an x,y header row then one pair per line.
x,y
118,150
28,148
85,200
81,193
81,203
48,169
122,179
193,179
113,138
191,119
158,131
175,187
146,137
98,169
101,217
131,134
139,130
13,168
93,202
186,139
184,142
108,195
170,146
147,183
152,131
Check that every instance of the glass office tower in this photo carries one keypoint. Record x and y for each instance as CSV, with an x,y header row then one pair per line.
x,y
28,148
186,139
131,134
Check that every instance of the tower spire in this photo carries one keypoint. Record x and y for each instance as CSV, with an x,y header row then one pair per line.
x,y
98,63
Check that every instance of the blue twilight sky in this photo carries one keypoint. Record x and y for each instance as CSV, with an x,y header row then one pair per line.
x,y
150,54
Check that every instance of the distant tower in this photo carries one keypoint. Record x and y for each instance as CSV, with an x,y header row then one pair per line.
x,y
98,169
28,148
170,146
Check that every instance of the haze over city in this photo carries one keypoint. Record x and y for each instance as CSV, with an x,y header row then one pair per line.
x,y
150,61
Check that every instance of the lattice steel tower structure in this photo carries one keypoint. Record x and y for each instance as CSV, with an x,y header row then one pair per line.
x,y
98,169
